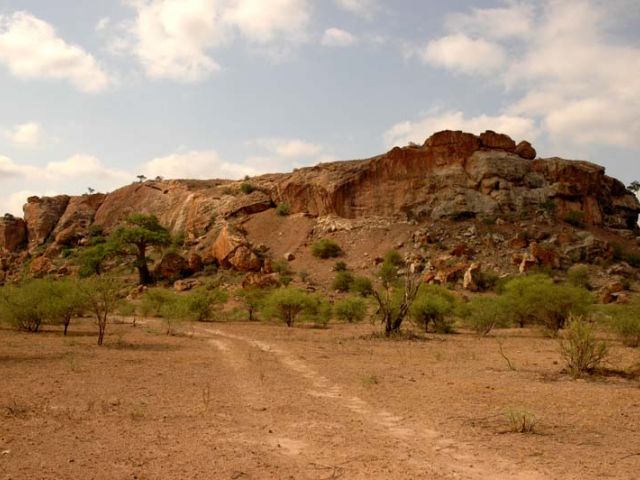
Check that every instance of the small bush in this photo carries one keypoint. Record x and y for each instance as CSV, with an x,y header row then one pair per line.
x,y
624,320
548,206
578,276
246,188
483,314
351,309
582,353
342,282
537,299
287,304
340,266
281,267
575,218
487,280
521,420
432,306
283,209
326,248
362,286
394,258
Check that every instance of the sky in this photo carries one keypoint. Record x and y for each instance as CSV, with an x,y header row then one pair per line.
x,y
94,93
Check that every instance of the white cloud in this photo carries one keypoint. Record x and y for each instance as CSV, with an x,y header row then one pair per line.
x,y
174,39
31,48
25,134
335,37
203,164
461,53
290,148
171,38
405,132
265,22
103,24
363,8
86,166
568,73
498,23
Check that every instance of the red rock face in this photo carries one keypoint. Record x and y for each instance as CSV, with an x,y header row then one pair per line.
x,y
13,234
42,215
525,150
497,141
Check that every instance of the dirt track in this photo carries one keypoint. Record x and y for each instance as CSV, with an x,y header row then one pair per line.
x,y
265,402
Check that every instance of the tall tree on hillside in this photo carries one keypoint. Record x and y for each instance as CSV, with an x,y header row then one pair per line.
x,y
133,239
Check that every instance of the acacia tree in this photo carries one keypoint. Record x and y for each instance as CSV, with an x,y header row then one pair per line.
x,y
66,301
101,296
132,240
395,297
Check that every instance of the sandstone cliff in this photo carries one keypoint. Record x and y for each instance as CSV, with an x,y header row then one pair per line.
x,y
452,176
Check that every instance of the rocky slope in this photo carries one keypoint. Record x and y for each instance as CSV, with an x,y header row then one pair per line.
x,y
453,177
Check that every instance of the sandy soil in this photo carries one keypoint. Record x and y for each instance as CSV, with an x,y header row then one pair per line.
x,y
255,401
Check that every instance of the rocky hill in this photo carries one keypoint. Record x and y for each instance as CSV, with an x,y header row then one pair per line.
x,y
481,199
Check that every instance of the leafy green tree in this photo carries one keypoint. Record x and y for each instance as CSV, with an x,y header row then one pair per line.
x,y
101,295
537,299
26,306
287,304
362,286
342,281
132,240
432,305
203,303
252,299
65,301
483,314
351,309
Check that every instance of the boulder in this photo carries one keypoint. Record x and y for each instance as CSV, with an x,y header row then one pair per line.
x,y
525,150
610,292
244,260
41,215
78,215
527,263
41,266
469,281
171,267
185,284
13,233
232,250
289,256
497,141
451,274
260,280
195,263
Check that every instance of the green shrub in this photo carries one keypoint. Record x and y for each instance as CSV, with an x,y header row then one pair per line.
x,y
578,276
283,209
246,188
340,266
538,300
394,258
26,307
483,314
575,218
287,304
342,282
582,353
487,280
624,320
352,309
252,298
281,267
326,248
203,304
549,206
318,312
431,306
361,286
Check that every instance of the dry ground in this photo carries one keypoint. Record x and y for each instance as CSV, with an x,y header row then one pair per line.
x,y
255,401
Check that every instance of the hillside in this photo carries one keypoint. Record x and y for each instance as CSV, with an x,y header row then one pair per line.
x,y
455,202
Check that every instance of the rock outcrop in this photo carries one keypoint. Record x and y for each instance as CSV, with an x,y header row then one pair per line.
x,y
459,175
41,215
453,176
13,233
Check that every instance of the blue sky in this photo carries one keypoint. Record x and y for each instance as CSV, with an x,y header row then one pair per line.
x,y
94,93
